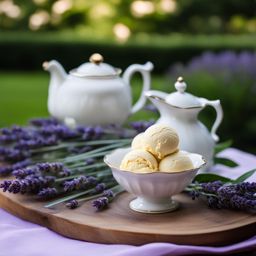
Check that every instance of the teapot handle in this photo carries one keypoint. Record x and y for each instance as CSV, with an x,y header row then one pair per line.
x,y
145,72
217,106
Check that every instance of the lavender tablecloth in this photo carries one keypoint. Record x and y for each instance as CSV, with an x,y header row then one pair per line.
x,y
18,237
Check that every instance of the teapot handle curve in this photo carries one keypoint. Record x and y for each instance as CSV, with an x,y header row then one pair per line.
x,y
145,72
217,106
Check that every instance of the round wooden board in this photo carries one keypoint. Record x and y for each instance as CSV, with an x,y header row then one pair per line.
x,y
193,223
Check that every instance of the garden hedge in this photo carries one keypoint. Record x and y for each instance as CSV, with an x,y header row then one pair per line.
x,y
27,51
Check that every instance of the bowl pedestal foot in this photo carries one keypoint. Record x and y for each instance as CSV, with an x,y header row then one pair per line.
x,y
145,205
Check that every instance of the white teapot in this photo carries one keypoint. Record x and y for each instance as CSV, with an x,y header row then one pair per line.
x,y
94,93
180,111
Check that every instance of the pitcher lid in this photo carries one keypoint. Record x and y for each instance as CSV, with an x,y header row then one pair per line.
x,y
95,68
182,99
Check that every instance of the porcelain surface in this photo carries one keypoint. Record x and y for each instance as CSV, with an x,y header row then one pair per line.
x,y
94,93
180,111
153,190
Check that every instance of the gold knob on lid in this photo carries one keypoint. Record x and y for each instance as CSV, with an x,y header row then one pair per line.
x,y
96,58
180,85
180,79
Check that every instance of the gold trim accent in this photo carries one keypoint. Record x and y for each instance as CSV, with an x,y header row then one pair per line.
x,y
163,101
180,79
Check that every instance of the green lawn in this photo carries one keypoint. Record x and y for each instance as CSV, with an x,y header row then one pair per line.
x,y
24,95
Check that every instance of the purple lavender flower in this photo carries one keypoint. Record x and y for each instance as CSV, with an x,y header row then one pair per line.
x,y
64,173
50,167
226,65
194,194
47,192
141,126
89,161
22,173
246,187
22,164
108,193
211,187
37,142
240,202
231,196
90,132
81,182
100,203
5,131
5,185
59,130
14,187
31,183
226,192
14,155
213,202
13,134
100,188
4,139
72,204
43,121
5,170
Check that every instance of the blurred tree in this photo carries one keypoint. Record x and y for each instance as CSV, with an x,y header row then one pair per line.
x,y
123,18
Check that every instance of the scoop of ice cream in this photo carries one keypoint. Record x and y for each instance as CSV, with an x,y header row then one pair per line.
x,y
160,140
137,142
176,162
139,161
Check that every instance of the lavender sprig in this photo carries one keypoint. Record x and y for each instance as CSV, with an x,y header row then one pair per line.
x,y
72,204
106,198
50,167
22,173
43,121
81,182
31,183
101,203
241,196
47,192
6,170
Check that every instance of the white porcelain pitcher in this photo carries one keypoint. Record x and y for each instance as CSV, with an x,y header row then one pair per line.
x,y
94,93
180,110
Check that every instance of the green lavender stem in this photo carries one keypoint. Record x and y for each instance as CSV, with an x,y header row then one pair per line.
x,y
79,143
92,153
117,190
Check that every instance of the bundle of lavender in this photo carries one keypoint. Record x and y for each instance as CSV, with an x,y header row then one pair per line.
x,y
50,160
223,193
54,162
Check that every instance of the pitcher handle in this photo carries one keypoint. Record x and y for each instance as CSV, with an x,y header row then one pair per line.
x,y
217,106
145,72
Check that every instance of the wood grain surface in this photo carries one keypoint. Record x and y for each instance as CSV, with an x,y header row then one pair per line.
x,y
193,223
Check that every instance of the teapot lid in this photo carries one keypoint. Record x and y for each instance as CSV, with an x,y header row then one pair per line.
x,y
95,68
182,99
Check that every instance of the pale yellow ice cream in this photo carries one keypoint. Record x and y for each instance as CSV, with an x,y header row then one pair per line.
x,y
139,161
176,162
137,141
160,140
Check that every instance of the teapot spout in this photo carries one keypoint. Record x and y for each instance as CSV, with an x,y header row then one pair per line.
x,y
58,76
